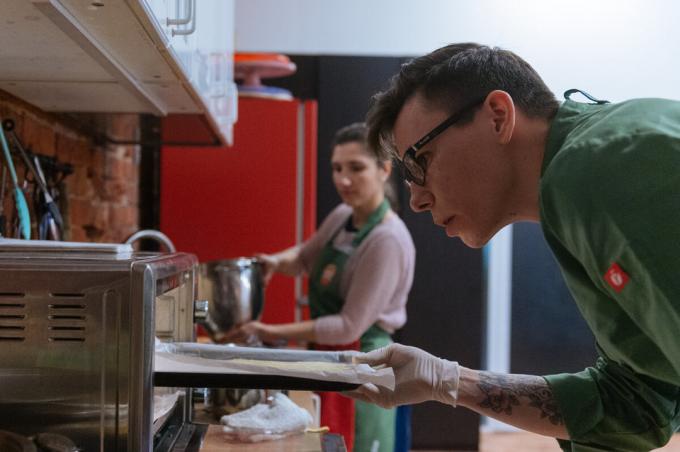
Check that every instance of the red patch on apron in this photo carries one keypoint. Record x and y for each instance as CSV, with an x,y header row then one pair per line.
x,y
616,277
327,274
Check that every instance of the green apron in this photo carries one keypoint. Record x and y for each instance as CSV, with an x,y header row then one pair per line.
x,y
374,426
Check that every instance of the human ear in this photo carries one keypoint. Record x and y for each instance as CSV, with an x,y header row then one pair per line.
x,y
502,112
387,168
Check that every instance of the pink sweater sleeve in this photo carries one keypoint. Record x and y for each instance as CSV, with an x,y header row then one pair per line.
x,y
381,269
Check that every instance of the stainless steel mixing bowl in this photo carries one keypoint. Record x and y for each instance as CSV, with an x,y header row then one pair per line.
x,y
234,289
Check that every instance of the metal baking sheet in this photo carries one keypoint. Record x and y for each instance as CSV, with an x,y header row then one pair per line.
x,y
246,381
216,351
177,368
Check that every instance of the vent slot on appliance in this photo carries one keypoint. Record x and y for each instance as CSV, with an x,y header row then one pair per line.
x,y
12,317
67,295
66,322
12,295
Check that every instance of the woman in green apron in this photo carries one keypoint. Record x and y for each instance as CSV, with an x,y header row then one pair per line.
x,y
360,265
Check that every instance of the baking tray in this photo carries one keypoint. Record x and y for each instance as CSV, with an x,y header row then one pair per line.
x,y
246,381
219,351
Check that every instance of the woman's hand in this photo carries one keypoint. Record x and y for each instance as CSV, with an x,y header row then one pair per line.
x,y
269,266
251,332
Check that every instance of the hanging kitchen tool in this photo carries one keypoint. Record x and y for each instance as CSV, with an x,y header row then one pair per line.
x,y
3,220
49,227
8,125
19,198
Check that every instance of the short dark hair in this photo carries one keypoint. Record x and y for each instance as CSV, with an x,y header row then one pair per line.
x,y
452,77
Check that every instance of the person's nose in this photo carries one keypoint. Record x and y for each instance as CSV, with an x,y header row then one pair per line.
x,y
421,198
342,179
345,180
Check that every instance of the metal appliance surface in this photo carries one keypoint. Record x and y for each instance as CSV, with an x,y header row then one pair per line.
x,y
234,289
77,333
155,235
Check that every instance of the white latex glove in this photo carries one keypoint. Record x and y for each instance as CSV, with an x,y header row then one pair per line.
x,y
419,377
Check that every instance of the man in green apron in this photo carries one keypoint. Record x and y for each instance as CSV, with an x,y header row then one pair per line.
x,y
373,425
483,144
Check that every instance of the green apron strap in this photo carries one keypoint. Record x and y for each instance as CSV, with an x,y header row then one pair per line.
x,y
324,279
372,221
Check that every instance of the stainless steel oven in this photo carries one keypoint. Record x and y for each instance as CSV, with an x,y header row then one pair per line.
x,y
77,329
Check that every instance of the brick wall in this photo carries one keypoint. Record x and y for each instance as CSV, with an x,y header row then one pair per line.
x,y
99,199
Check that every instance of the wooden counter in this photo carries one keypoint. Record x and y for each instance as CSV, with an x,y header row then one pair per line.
x,y
215,441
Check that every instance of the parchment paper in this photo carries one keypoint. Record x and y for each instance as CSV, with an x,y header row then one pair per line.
x,y
316,370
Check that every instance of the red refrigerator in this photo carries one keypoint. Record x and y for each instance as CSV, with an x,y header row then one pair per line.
x,y
258,195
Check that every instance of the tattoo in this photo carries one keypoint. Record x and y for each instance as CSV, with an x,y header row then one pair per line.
x,y
502,392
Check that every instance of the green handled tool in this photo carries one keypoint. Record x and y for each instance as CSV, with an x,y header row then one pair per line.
x,y
19,198
8,125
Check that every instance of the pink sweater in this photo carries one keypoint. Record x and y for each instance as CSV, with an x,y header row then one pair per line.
x,y
376,279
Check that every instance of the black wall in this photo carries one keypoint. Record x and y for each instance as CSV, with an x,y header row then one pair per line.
x,y
445,317
445,303
343,87
548,333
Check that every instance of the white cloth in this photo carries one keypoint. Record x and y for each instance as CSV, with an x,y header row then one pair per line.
x,y
267,421
164,399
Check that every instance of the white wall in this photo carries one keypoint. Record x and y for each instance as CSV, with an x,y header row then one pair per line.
x,y
614,49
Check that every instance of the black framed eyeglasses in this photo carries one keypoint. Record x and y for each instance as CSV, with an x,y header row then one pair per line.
x,y
414,166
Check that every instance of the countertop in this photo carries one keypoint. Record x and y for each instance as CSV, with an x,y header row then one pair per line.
x,y
307,442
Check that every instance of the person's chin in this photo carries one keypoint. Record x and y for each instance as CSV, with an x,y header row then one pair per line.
x,y
472,240
473,243
353,201
346,199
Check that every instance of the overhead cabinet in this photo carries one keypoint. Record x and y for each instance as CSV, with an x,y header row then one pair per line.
x,y
122,56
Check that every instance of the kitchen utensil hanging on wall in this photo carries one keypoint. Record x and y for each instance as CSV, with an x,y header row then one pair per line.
x,y
19,198
8,125
3,219
50,226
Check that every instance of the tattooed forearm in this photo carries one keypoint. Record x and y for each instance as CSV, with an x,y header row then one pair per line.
x,y
503,392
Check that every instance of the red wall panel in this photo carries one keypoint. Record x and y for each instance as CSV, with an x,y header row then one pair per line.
x,y
225,202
